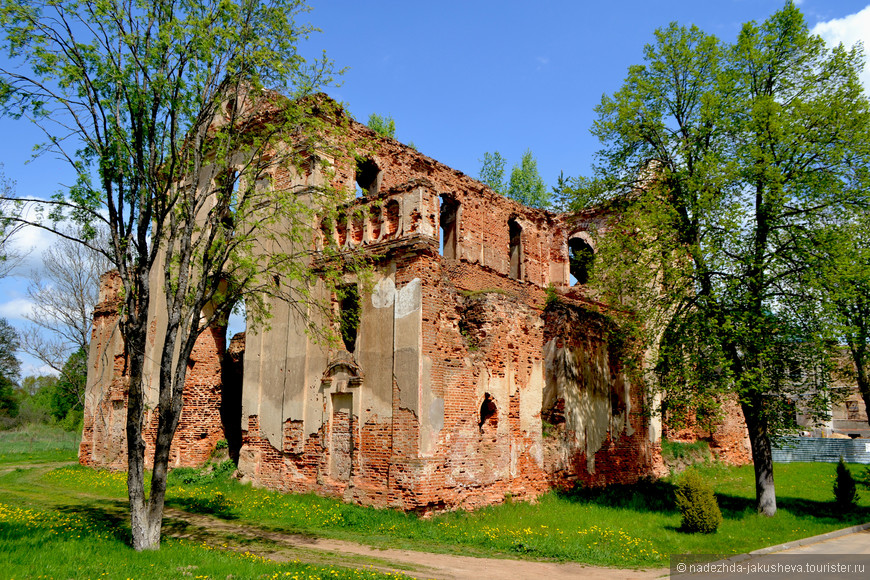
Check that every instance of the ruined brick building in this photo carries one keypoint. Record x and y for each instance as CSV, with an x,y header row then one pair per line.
x,y
459,382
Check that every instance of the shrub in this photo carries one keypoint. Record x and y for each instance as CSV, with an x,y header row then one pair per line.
x,y
697,504
845,493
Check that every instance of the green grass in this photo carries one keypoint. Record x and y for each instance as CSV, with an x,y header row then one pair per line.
x,y
626,526
38,444
78,533
678,450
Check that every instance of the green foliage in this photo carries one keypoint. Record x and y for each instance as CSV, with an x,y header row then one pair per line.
x,y
67,396
725,157
839,254
492,172
383,126
10,368
553,297
845,492
221,472
680,451
525,184
699,511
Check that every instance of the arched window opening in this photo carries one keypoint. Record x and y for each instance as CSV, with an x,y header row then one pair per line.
x,y
449,220
581,258
349,315
368,177
392,217
375,222
488,412
341,229
515,231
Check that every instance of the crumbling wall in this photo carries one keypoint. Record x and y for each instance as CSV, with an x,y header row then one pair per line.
x,y
436,401
596,419
729,438
104,437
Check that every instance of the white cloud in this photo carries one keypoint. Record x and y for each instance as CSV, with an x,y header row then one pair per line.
x,y
16,309
848,30
30,369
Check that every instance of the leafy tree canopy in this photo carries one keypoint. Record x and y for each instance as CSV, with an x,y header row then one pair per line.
x,y
383,126
727,156
525,184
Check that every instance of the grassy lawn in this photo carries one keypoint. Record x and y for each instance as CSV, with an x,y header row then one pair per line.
x,y
77,518
634,526
38,444
72,522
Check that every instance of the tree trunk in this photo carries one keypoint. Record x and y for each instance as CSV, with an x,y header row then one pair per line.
x,y
762,456
859,357
145,536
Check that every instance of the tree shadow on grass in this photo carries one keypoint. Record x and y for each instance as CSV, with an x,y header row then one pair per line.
x,y
657,496
217,506
111,516
647,495
824,512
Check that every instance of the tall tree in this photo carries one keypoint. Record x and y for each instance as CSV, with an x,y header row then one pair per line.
x,y
525,184
728,155
10,368
64,292
492,172
163,109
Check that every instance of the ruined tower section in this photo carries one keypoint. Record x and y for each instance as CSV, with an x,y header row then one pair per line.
x,y
456,381
104,439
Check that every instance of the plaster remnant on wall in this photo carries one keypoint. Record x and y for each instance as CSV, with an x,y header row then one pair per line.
x,y
384,293
408,298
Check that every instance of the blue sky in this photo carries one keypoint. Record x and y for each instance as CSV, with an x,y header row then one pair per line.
x,y
464,77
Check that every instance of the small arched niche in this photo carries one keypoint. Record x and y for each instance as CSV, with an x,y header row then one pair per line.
x,y
391,217
488,412
515,233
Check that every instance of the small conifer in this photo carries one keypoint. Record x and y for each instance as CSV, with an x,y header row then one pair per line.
x,y
697,503
845,493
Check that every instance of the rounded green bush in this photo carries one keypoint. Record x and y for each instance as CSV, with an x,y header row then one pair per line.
x,y
698,507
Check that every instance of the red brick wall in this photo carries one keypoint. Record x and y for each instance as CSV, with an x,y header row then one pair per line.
x,y
104,439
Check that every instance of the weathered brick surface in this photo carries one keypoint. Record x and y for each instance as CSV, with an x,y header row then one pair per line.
x,y
104,439
460,423
729,440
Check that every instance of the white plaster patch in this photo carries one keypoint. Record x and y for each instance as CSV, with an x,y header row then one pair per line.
x,y
384,293
409,299
536,452
436,414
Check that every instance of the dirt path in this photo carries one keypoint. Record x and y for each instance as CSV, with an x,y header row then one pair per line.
x,y
422,565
